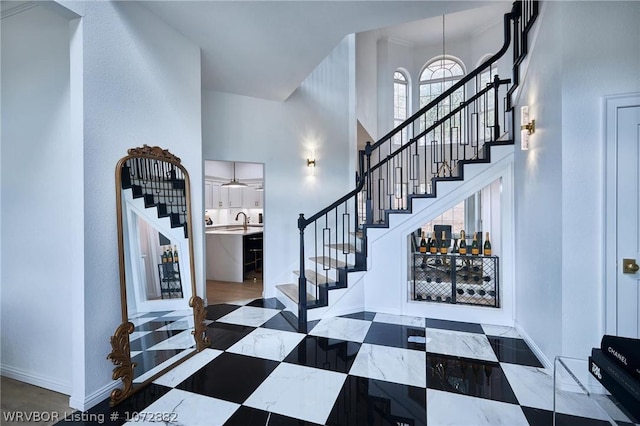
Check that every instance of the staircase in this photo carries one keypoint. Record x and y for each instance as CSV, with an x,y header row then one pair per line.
x,y
160,185
408,164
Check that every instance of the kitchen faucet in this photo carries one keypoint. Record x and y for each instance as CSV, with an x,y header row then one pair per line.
x,y
244,225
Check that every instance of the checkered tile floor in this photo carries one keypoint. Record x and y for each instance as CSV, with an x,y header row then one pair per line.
x,y
361,369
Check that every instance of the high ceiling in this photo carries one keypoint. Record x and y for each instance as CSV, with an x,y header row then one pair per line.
x,y
266,49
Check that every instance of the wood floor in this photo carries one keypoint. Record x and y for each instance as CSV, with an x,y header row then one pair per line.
x,y
224,292
18,397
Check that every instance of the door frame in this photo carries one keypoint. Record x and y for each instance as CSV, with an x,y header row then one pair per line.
x,y
611,105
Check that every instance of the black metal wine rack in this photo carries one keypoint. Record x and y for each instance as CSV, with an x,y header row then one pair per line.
x,y
456,279
170,283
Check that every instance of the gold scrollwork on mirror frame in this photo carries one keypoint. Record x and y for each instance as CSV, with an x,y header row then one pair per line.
x,y
157,283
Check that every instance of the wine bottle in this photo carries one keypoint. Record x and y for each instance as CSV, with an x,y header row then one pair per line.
x,y
463,243
487,246
434,244
169,255
444,248
175,254
475,250
164,256
423,244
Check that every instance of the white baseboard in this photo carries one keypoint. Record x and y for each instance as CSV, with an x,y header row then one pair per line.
x,y
84,403
45,382
536,350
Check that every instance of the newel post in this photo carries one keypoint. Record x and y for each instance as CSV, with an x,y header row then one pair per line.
x,y
302,281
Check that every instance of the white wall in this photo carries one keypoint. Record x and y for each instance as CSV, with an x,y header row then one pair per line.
x,y
318,117
585,51
367,82
41,195
140,85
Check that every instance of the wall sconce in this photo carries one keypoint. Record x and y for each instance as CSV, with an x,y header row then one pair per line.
x,y
311,164
527,127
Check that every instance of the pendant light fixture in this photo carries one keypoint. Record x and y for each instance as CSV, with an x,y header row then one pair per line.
x,y
234,183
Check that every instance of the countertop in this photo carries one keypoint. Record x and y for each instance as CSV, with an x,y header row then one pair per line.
x,y
232,230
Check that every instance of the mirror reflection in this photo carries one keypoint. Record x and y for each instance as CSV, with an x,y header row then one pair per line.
x,y
157,299
163,317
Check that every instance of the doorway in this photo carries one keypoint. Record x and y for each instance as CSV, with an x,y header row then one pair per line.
x,y
622,226
234,230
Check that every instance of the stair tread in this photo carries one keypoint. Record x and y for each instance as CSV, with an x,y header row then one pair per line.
x,y
343,247
330,262
291,291
316,279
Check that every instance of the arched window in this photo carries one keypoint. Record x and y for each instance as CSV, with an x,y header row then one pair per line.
x,y
400,98
400,104
436,77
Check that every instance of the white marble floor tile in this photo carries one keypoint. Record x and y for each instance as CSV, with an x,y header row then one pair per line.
x,y
180,313
391,364
249,316
155,370
182,324
185,408
180,373
183,340
400,320
459,343
354,330
298,391
450,409
267,343
500,330
533,387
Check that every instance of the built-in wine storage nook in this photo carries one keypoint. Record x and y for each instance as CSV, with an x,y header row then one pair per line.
x,y
447,264
455,278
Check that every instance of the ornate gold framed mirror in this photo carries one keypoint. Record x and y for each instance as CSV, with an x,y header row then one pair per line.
x,y
162,315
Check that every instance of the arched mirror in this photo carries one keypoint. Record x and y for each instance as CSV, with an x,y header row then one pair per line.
x,y
162,316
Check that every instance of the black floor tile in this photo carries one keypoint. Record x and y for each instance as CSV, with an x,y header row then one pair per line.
x,y
246,416
222,336
215,312
481,379
285,321
367,316
324,353
147,360
396,335
469,327
365,401
513,351
151,325
103,414
271,303
539,417
230,377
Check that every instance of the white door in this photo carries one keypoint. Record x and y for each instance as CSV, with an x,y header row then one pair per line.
x,y
623,149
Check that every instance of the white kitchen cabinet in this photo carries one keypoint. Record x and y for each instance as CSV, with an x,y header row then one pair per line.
x,y
215,196
231,197
251,198
208,191
212,198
